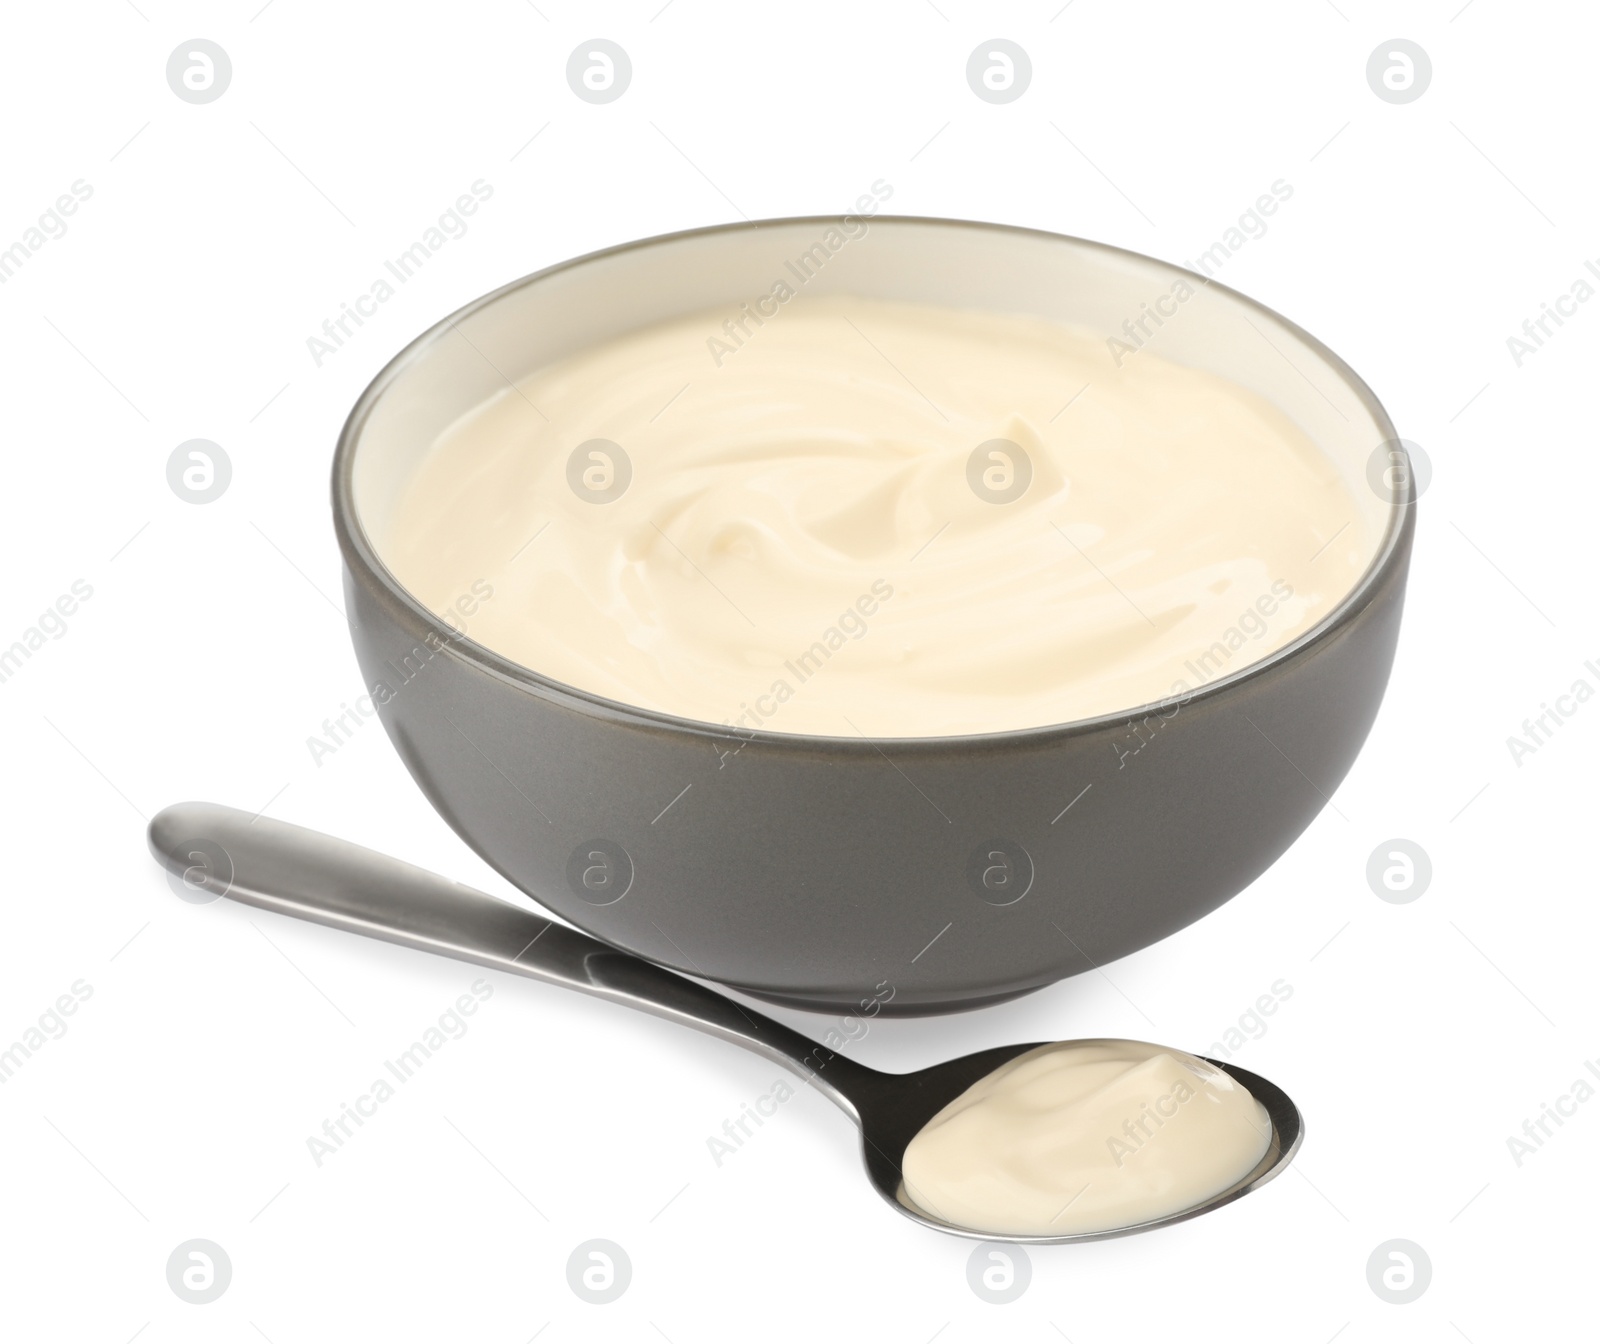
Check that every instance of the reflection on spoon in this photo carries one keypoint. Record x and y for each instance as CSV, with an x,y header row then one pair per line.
x,y
904,1117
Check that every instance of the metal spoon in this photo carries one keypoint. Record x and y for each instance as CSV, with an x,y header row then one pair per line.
x,y
304,873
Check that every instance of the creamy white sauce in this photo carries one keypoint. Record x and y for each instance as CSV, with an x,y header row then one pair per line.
x,y
800,546
1085,1136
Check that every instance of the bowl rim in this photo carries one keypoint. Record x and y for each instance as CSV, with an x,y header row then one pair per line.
x,y
362,558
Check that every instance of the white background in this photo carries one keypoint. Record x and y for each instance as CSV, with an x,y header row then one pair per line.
x,y
178,1102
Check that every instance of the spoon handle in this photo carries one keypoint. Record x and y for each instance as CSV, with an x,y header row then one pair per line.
x,y
294,871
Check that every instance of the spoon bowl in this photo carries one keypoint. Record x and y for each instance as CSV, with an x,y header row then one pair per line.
x,y
896,1113
221,851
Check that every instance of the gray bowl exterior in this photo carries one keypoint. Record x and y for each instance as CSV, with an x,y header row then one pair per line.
x,y
844,874
836,875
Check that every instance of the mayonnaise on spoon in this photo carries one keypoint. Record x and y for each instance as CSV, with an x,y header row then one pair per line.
x,y
1085,1136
